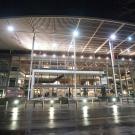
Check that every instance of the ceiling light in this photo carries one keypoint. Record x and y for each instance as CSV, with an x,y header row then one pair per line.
x,y
130,59
107,58
54,56
123,59
129,38
72,56
99,58
75,33
54,45
10,28
113,37
63,56
82,57
90,57
44,55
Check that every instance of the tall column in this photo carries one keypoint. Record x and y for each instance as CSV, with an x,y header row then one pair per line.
x,y
75,67
107,76
126,77
112,60
31,66
119,70
133,83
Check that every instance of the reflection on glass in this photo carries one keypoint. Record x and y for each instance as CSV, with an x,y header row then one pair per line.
x,y
85,115
115,113
14,118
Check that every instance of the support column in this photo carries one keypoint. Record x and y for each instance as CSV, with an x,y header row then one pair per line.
x,y
119,70
31,65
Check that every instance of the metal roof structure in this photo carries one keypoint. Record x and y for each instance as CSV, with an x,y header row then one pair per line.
x,y
54,34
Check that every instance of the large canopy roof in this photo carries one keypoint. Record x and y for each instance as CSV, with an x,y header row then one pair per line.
x,y
55,34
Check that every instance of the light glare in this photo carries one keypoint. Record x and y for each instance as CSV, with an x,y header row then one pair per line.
x,y
10,28
113,37
75,33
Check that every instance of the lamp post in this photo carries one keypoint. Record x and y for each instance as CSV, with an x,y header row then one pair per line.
x,y
111,39
31,66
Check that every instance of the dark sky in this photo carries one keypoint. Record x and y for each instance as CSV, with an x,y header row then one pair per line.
x,y
112,9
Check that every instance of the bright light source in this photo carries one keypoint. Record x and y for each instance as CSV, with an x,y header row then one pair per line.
x,y
54,45
124,92
90,57
123,59
34,54
44,55
52,101
10,28
107,58
75,33
82,57
16,102
129,38
114,99
84,101
113,37
130,59
99,58
128,50
63,56
72,56
54,56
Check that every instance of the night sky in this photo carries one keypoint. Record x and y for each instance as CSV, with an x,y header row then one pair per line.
x,y
111,9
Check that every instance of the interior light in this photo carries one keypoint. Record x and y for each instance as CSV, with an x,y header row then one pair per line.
x,y
129,38
54,56
75,33
84,100
82,57
123,59
107,58
72,56
90,57
113,37
99,58
130,59
44,55
54,45
63,56
10,28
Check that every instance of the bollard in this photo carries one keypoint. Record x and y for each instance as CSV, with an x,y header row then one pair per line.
x,y
6,105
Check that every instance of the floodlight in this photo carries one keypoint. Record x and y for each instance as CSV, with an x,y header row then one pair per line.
x,y
84,101
129,38
10,28
114,99
75,33
82,57
52,101
113,37
16,102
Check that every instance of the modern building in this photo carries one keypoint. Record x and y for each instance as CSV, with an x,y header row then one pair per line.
x,y
66,56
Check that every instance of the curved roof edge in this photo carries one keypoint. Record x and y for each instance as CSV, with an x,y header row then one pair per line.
x,y
72,16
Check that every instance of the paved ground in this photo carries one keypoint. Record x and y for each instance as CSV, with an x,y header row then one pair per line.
x,y
86,120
